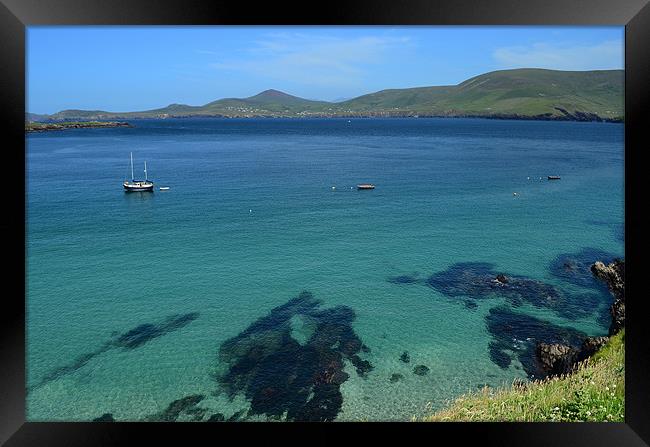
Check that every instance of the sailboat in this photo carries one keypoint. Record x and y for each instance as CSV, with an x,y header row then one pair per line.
x,y
138,185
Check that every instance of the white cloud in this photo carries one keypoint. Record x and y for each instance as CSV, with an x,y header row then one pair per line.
x,y
314,60
605,55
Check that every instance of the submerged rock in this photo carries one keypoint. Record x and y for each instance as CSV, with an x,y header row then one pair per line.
x,y
106,417
396,377
217,417
281,376
405,357
362,366
421,370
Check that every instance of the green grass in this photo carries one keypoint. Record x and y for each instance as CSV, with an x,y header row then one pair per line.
x,y
595,392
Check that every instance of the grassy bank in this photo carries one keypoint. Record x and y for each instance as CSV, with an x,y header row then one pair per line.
x,y
595,393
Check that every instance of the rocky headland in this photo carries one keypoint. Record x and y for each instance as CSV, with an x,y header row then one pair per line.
x,y
556,358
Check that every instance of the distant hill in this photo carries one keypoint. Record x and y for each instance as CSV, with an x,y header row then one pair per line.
x,y
527,93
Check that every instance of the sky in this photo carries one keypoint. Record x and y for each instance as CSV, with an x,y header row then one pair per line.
x,y
133,68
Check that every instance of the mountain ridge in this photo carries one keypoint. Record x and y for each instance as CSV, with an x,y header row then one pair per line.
x,y
526,93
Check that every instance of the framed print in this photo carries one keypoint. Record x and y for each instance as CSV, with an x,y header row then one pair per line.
x,y
420,216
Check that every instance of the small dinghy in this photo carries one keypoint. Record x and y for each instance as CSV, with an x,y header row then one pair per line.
x,y
164,188
365,186
554,177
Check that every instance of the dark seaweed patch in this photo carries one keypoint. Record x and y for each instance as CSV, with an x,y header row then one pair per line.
x,y
140,335
396,377
619,232
106,417
421,370
516,335
469,304
403,279
478,280
72,367
472,281
281,376
617,228
131,339
237,416
186,405
576,267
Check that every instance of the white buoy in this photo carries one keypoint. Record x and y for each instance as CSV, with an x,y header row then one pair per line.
x,y
515,194
527,178
250,211
333,188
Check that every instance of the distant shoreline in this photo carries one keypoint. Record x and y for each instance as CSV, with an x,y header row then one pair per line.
x,y
518,94
62,125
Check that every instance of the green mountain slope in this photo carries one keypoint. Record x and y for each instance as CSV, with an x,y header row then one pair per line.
x,y
522,93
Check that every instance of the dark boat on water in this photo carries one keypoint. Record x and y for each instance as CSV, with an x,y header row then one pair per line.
x,y
138,185
365,186
554,177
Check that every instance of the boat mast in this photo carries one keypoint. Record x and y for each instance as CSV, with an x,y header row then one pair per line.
x,y
132,166
145,171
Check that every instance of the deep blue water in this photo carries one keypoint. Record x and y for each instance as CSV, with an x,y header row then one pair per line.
x,y
251,220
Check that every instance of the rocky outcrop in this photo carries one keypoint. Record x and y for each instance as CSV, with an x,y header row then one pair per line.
x,y
502,279
557,359
613,275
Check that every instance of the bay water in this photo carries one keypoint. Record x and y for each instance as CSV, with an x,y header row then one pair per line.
x,y
260,210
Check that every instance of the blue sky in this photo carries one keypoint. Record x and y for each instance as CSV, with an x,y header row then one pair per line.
x,y
118,68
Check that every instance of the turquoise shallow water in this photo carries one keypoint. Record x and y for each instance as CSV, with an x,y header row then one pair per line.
x,y
251,220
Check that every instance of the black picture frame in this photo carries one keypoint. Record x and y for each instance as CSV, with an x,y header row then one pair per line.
x,y
15,15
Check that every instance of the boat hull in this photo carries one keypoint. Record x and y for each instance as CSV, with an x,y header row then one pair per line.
x,y
138,188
